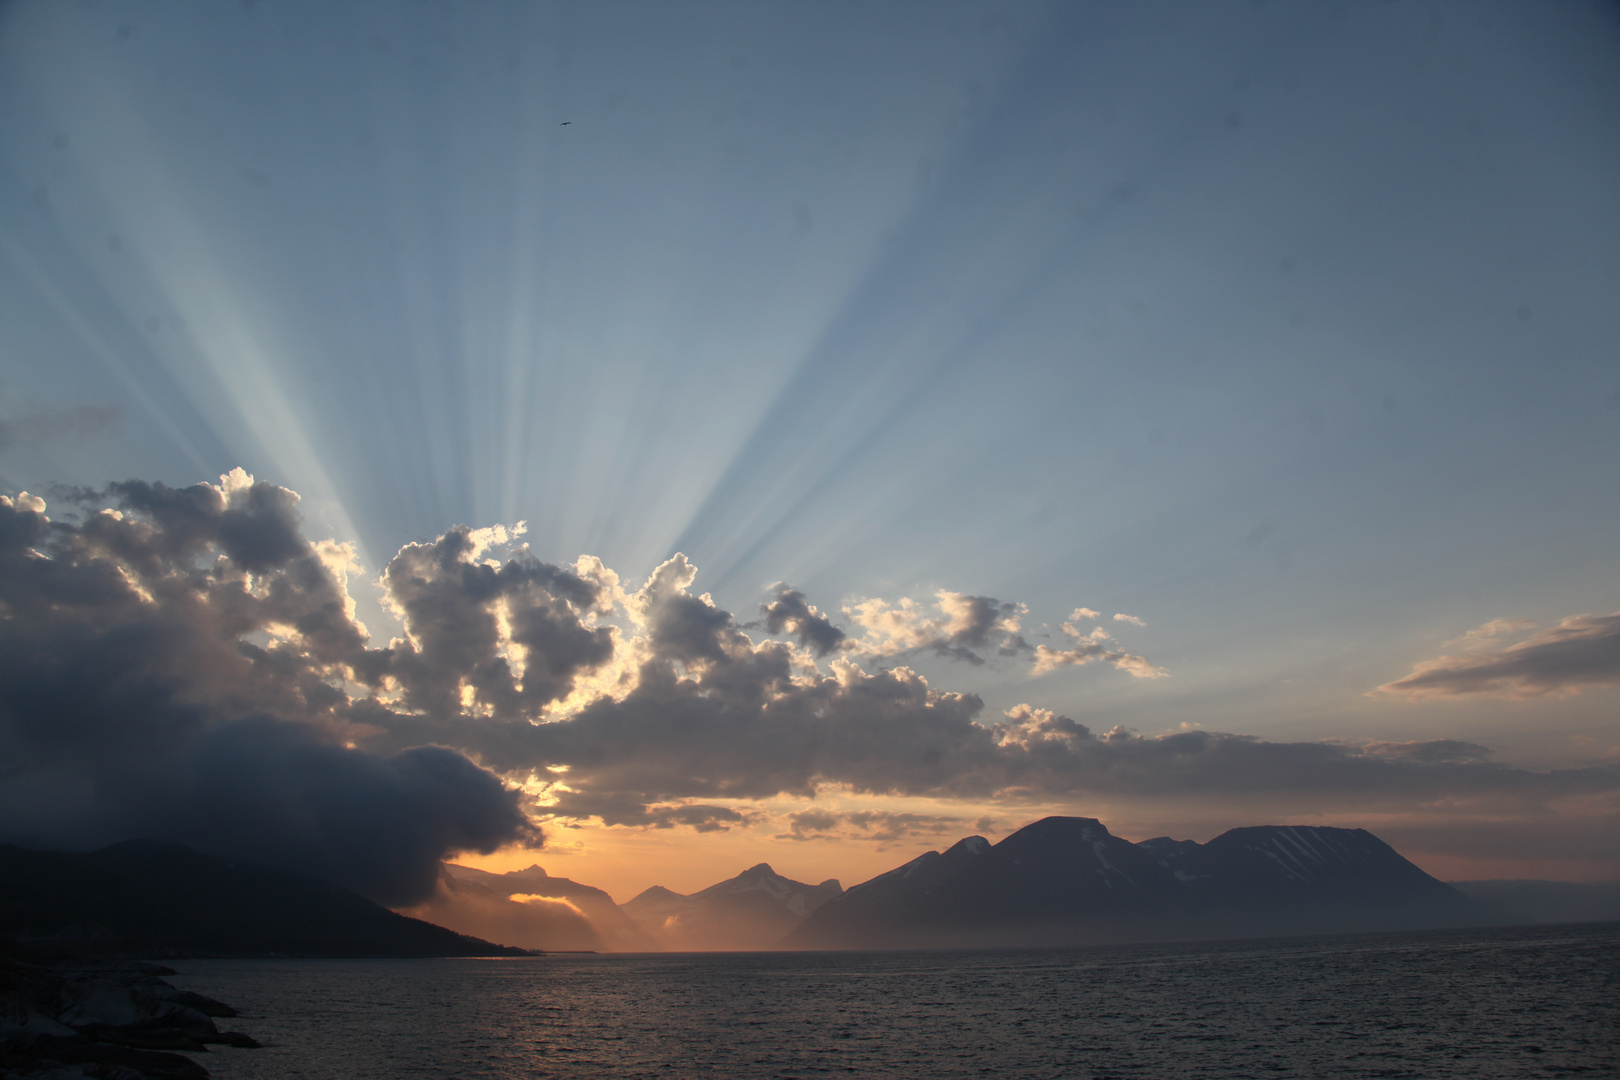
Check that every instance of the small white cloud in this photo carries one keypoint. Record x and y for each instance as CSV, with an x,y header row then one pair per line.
x,y
1132,619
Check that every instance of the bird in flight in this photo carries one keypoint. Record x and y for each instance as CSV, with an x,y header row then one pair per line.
x,y
565,123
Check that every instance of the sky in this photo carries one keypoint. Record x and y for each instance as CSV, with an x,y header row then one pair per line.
x,y
652,439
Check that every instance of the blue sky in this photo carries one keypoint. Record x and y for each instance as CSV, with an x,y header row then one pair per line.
x,y
1289,330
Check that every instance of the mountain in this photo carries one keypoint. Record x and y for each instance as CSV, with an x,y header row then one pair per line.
x,y
750,911
1068,880
155,898
532,909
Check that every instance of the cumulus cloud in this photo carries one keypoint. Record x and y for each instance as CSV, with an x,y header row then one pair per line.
x,y
1580,653
788,610
184,664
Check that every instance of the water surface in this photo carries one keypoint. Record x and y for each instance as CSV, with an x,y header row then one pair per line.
x,y
1525,1002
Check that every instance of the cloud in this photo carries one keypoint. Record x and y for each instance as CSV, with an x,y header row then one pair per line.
x,y
1084,613
514,634
1483,635
881,826
957,626
618,808
1132,619
1098,644
184,664
789,611
1580,653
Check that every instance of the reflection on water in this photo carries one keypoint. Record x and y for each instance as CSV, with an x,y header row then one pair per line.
x,y
1502,1003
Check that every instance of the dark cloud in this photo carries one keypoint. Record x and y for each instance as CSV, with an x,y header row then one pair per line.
x,y
257,526
788,610
974,620
1580,653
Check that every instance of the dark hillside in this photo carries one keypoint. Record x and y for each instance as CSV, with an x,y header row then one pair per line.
x,y
145,897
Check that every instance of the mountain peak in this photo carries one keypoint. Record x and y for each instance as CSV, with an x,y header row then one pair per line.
x,y
1054,834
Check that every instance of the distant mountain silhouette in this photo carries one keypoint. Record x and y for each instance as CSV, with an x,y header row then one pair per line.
x,y
1069,881
532,909
750,911
146,897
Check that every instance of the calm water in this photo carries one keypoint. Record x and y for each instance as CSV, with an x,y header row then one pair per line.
x,y
1478,1004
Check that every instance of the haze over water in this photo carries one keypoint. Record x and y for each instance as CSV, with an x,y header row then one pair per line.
x,y
1496,1003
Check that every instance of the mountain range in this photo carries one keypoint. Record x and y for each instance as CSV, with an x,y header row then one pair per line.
x,y
1061,880
1067,880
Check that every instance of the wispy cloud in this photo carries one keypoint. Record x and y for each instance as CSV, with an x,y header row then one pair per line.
x,y
881,826
1580,653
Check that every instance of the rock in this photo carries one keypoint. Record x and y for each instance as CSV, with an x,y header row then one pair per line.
x,y
108,1021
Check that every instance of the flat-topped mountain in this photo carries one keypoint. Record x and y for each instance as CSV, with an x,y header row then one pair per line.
x,y
1069,881
155,898
750,911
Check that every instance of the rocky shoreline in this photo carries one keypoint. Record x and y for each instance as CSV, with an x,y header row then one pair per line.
x,y
104,1019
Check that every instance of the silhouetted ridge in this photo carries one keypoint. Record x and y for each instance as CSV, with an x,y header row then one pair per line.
x,y
157,898
1068,880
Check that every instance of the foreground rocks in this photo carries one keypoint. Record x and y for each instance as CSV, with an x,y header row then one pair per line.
x,y
112,1020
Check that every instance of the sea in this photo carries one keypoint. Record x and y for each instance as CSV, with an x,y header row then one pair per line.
x,y
1519,1002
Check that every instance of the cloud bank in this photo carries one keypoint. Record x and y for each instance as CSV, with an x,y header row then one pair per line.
x,y
183,663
